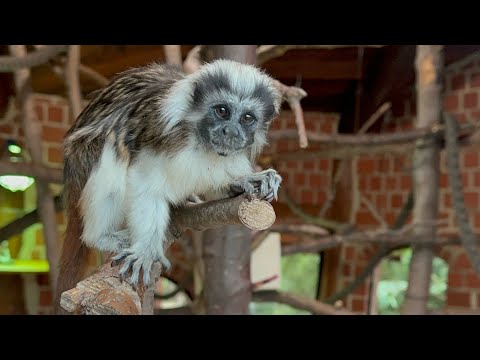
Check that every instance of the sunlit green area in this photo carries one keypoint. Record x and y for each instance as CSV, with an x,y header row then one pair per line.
x,y
299,276
394,280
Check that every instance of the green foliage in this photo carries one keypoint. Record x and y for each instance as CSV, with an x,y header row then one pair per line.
x,y
393,284
299,276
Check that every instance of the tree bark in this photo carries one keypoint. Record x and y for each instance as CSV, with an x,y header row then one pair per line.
x,y
226,250
429,64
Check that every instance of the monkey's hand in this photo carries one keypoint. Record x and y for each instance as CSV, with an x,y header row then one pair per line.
x,y
264,184
136,259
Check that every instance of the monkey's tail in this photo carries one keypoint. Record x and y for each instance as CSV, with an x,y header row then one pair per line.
x,y
75,255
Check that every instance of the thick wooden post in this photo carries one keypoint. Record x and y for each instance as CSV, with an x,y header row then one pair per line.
x,y
429,70
226,250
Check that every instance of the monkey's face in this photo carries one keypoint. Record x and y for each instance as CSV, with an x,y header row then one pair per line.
x,y
227,129
234,108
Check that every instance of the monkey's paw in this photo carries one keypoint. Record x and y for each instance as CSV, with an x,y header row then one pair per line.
x,y
264,184
134,262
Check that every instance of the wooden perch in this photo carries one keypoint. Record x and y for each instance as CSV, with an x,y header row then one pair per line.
x,y
104,293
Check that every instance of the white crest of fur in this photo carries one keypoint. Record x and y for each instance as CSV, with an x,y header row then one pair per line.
x,y
243,78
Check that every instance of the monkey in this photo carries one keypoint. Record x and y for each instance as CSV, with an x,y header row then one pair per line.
x,y
148,140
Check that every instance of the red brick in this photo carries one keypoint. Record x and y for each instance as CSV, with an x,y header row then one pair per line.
x,y
375,183
349,253
455,280
475,80
20,132
443,181
53,134
465,181
462,262
307,196
308,165
458,82
362,183
292,165
470,100
366,218
473,281
447,200
471,199
55,155
326,128
318,180
460,117
45,298
405,182
396,201
310,126
6,129
458,298
361,290
450,102
470,159
366,165
39,113
381,201
323,164
346,270
389,218
299,179
391,183
477,221
321,197
55,114
282,145
358,305
384,165
398,165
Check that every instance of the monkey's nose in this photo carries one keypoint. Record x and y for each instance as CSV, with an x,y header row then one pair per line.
x,y
230,131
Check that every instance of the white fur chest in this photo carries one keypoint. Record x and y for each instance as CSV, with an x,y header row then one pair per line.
x,y
189,171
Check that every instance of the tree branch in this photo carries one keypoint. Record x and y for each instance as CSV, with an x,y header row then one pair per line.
x,y
72,80
173,54
298,302
38,57
103,293
29,169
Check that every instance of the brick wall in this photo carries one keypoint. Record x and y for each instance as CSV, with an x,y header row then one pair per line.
x,y
385,179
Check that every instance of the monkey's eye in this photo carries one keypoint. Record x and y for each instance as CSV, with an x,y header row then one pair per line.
x,y
221,111
248,119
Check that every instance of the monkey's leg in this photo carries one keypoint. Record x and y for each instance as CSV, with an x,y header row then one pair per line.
x,y
102,205
147,221
265,184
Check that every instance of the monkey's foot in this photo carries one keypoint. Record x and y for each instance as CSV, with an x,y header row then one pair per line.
x,y
264,184
133,263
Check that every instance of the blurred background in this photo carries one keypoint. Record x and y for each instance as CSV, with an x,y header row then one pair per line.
x,y
361,226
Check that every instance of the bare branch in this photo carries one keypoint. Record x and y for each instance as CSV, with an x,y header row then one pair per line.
x,y
29,169
375,116
38,57
93,75
298,302
173,54
73,81
10,113
373,211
